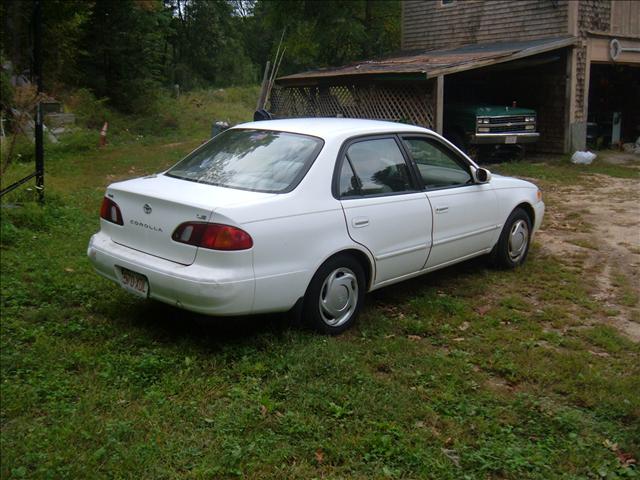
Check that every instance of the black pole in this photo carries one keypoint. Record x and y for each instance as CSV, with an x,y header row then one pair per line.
x,y
37,56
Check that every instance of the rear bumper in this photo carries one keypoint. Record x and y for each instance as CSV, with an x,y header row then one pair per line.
x,y
202,289
503,138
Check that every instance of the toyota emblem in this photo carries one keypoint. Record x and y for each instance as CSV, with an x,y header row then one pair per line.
x,y
147,208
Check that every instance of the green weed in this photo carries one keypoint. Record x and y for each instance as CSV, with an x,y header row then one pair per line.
x,y
464,373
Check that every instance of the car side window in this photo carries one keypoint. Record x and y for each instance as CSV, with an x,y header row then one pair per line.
x,y
349,183
437,165
374,167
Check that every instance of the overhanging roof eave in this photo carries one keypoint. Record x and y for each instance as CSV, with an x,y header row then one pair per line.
x,y
355,76
547,47
423,72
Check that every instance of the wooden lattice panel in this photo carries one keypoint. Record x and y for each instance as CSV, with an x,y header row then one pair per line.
x,y
408,103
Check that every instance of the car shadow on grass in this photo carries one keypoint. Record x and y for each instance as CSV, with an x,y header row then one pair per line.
x,y
168,324
440,279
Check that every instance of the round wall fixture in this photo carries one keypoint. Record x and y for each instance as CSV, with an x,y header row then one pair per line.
x,y
614,49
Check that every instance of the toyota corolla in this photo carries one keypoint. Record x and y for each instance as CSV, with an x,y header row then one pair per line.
x,y
308,214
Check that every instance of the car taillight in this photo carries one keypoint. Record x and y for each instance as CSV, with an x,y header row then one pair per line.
x,y
110,211
212,235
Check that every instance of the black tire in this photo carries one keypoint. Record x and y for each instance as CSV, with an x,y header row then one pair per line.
x,y
335,295
521,153
513,245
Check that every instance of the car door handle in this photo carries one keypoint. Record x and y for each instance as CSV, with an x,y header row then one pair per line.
x,y
360,222
442,209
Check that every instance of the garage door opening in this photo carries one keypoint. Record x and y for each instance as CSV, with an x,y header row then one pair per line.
x,y
537,83
614,105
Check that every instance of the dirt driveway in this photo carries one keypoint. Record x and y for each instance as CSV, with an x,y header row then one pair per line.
x,y
595,226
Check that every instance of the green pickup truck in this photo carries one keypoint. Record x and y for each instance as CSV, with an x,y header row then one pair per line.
x,y
471,126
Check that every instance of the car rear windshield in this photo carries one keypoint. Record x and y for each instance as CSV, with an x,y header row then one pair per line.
x,y
258,160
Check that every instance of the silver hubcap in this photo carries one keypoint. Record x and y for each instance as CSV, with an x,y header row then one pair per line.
x,y
518,240
338,297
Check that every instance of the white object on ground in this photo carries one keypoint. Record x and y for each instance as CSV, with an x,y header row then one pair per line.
x,y
583,158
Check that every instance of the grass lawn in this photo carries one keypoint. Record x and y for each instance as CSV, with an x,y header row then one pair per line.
x,y
463,373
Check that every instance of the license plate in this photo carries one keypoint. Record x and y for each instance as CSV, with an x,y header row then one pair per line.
x,y
134,282
511,139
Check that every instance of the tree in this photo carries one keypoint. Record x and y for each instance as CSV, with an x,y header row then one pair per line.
x,y
63,22
326,33
206,45
125,50
122,56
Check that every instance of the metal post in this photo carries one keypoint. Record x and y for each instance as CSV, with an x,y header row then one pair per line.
x,y
37,56
439,120
263,90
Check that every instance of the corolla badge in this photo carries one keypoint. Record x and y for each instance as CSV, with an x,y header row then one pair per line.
x,y
141,224
147,208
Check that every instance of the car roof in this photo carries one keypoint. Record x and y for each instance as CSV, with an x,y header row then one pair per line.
x,y
327,128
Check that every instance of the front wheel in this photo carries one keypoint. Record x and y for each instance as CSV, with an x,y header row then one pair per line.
x,y
335,295
513,245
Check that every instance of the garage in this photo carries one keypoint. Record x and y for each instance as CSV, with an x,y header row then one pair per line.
x,y
614,105
423,89
571,68
537,83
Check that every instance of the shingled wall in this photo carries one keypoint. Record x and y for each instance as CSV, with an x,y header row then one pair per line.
x,y
593,15
431,25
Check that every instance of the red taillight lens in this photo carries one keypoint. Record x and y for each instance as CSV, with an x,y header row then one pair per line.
x,y
212,235
110,211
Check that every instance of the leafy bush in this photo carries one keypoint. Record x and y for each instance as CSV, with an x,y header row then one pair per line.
x,y
90,111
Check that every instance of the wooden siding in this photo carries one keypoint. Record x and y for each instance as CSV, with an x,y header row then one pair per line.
x,y
625,17
600,50
548,90
593,15
429,24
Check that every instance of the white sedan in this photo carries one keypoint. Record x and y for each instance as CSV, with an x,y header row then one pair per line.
x,y
308,214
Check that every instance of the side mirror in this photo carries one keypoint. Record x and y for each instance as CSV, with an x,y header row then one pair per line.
x,y
262,114
481,175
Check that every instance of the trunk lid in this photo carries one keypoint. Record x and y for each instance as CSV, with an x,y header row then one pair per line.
x,y
152,207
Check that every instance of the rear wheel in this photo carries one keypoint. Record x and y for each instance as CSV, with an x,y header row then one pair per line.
x,y
335,295
513,245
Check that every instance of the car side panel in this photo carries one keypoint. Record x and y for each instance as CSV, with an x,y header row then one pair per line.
x,y
293,234
510,197
288,251
465,222
396,229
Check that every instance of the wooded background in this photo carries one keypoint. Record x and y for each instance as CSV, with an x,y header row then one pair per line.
x,y
128,51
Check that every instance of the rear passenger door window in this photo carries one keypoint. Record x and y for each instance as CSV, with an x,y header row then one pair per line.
x,y
438,166
383,208
374,167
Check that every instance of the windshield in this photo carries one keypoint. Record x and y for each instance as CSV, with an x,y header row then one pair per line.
x,y
259,160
